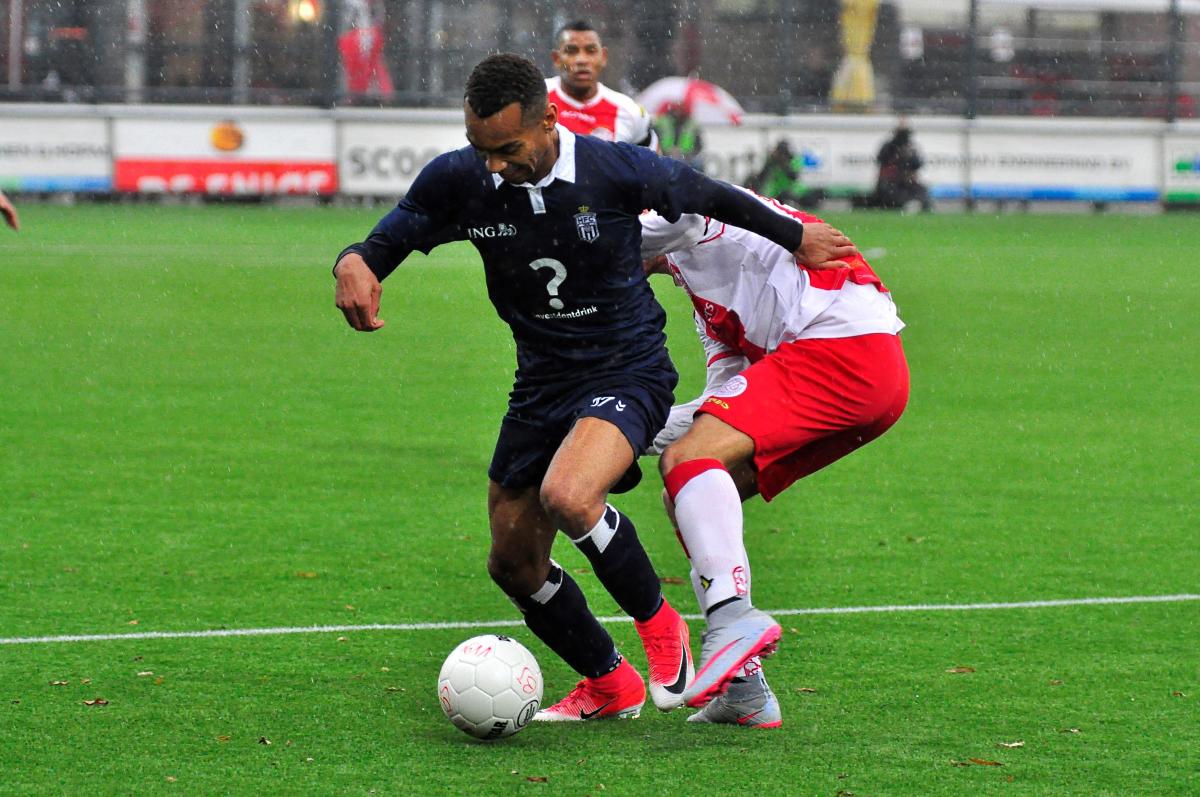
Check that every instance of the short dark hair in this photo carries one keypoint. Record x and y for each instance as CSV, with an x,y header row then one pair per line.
x,y
502,79
581,25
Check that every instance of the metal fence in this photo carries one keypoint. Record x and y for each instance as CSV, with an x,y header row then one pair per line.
x,y
1131,58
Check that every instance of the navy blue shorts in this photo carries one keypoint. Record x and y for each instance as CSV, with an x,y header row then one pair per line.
x,y
538,420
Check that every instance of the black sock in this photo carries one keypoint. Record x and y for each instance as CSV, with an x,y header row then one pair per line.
x,y
621,564
558,614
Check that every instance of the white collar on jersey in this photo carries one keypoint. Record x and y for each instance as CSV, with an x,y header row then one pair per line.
x,y
564,167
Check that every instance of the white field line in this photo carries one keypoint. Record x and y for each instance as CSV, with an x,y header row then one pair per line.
x,y
508,623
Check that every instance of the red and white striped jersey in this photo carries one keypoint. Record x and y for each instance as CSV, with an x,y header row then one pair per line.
x,y
752,296
610,115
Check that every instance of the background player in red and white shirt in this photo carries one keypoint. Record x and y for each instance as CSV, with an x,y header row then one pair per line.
x,y
804,366
585,105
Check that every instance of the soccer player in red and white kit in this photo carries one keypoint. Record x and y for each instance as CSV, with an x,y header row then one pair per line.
x,y
585,105
804,367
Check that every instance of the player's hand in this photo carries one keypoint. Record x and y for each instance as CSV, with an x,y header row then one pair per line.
x,y
824,246
358,293
9,213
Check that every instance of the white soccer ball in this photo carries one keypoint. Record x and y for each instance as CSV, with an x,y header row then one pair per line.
x,y
490,686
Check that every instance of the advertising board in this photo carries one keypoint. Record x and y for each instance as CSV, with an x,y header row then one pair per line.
x,y
59,154
224,155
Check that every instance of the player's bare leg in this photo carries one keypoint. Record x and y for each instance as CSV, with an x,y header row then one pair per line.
x,y
594,455
699,472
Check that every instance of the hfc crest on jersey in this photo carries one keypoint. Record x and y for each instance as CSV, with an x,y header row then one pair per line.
x,y
586,225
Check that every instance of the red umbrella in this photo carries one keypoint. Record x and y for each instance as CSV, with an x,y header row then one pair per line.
x,y
706,102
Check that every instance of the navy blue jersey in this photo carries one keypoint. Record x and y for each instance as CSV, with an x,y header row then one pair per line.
x,y
563,258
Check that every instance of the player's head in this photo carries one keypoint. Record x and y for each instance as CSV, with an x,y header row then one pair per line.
x,y
509,122
579,58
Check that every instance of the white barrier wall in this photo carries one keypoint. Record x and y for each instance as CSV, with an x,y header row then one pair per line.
x,y
1181,163
267,151
55,153
381,152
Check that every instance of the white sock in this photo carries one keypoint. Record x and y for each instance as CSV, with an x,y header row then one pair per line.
x,y
708,511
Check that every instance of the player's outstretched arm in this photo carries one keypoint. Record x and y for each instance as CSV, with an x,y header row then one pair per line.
x,y
9,213
824,245
358,292
671,187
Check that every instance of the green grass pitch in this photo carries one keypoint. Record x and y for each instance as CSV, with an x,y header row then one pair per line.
x,y
191,438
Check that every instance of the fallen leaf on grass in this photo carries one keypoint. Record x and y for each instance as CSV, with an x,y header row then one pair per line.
x,y
1069,730
1178,694
983,762
144,673
1056,682
171,778
132,622
385,669
806,690
85,680
97,702
224,738
844,793
341,639
306,574
1011,745
159,681
392,689
671,580
348,607
961,669
59,683
538,779
264,740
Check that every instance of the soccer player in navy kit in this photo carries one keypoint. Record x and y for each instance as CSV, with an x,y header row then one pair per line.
x,y
554,217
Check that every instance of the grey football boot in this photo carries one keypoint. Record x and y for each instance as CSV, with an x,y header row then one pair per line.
x,y
748,702
736,631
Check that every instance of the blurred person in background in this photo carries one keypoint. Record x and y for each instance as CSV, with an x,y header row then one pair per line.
x,y
585,105
899,162
679,135
782,178
9,212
